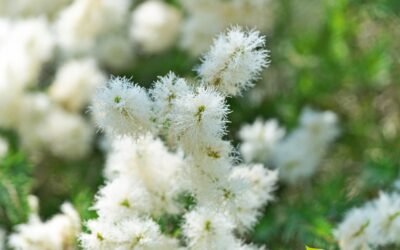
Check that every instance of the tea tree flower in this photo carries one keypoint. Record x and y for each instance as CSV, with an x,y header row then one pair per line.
x,y
195,160
155,25
75,82
199,117
58,233
122,107
234,61
260,140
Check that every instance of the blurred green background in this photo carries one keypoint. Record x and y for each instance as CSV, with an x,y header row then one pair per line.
x,y
339,55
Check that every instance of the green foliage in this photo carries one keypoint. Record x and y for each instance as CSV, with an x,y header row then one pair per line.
x,y
15,186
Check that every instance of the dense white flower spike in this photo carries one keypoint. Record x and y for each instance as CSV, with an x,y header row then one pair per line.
x,y
155,25
58,233
145,178
374,225
259,140
299,154
75,82
122,107
234,61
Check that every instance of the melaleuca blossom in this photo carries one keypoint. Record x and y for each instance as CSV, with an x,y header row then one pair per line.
x,y
122,107
374,225
206,18
148,162
198,117
83,23
197,161
130,233
75,82
234,61
155,25
164,95
300,153
26,46
259,140
45,127
58,233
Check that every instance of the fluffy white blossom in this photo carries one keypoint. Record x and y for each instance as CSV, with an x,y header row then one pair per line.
x,y
148,161
84,22
26,47
164,93
75,82
198,118
58,233
373,225
300,153
234,61
122,107
259,140
208,229
45,127
155,25
131,233
122,197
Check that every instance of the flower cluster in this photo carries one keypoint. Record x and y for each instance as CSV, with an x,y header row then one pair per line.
x,y
58,233
146,176
371,226
77,41
296,155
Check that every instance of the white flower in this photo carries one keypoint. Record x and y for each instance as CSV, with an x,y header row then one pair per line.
x,y
65,135
122,197
352,232
155,25
323,126
75,82
122,108
147,160
299,154
234,61
208,229
198,118
82,23
260,140
58,233
131,233
164,94
28,45
385,222
115,51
